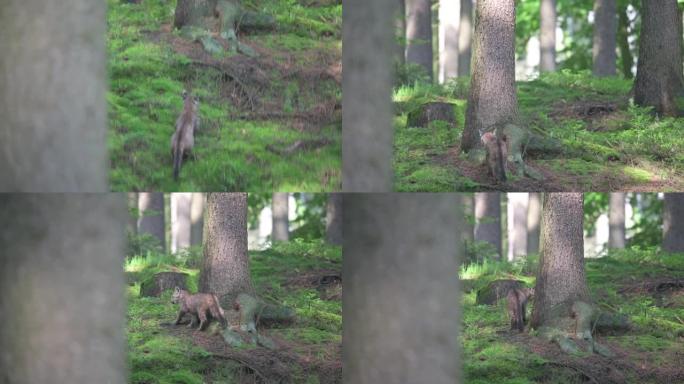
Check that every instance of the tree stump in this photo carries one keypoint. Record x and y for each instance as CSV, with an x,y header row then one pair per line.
x,y
497,289
155,285
423,115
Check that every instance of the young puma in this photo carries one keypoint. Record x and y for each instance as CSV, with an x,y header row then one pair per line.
x,y
198,305
497,152
183,139
517,300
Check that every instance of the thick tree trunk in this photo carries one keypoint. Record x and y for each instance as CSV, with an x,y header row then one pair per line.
x,y
333,219
448,27
547,36
279,214
465,37
673,222
492,98
367,109
193,12
151,220
616,220
419,34
225,266
62,299
52,96
488,219
605,37
197,218
533,222
396,332
659,69
517,225
623,42
181,204
561,280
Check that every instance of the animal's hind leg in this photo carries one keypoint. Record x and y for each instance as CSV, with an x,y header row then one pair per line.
x,y
203,320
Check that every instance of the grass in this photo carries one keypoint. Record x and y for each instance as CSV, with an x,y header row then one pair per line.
x,y
147,75
628,148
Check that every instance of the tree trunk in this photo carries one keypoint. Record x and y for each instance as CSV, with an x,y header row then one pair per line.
x,y
400,32
62,288
180,220
517,225
488,219
419,34
197,218
673,222
132,224
616,220
396,332
151,220
279,214
547,36
225,266
333,219
448,26
52,96
533,221
659,69
605,37
465,37
492,98
468,227
561,280
623,42
367,128
193,12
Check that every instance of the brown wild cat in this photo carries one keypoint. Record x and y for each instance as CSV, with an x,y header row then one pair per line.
x,y
183,139
198,305
517,300
497,152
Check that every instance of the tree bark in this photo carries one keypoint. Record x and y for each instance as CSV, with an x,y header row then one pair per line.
x,y
659,69
52,96
517,225
193,12
623,42
616,220
397,332
62,299
151,220
333,219
279,214
225,266
561,280
367,110
465,37
547,36
197,218
448,26
488,219
673,222
605,37
419,34
492,99
181,204
533,221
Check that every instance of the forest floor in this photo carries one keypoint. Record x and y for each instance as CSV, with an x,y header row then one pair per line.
x,y
607,144
270,122
309,350
646,286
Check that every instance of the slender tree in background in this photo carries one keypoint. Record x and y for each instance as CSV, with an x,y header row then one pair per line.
x,y
673,222
181,204
659,69
492,99
62,284
395,332
367,109
605,37
400,32
467,228
52,96
151,220
561,279
533,222
225,266
517,225
333,219
623,41
419,34
547,36
488,219
616,220
465,36
448,34
279,214
132,225
197,218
